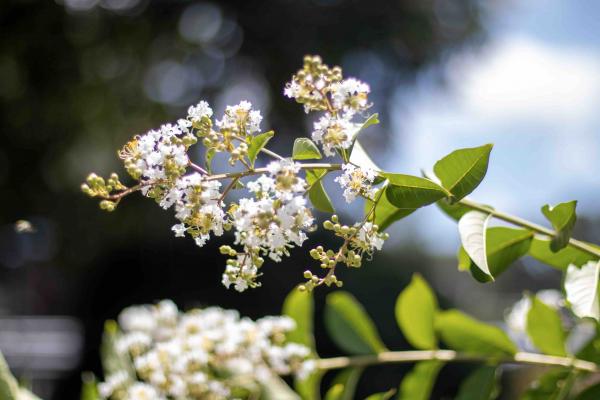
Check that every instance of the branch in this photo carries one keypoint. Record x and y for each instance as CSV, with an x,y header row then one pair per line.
x,y
395,357
578,244
256,171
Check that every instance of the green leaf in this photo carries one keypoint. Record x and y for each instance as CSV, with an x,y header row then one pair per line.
x,y
382,396
9,388
581,288
299,306
344,384
503,247
319,198
553,385
472,228
418,383
360,157
310,387
540,250
276,389
305,149
562,217
349,325
411,192
545,329
372,120
208,156
415,312
506,245
463,170
317,194
89,389
256,145
385,213
590,393
453,210
112,360
481,384
464,333
464,261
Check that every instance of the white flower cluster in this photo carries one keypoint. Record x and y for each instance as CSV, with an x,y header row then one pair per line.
x,y
368,239
335,132
198,112
198,206
159,154
275,217
356,181
201,354
240,119
320,88
269,224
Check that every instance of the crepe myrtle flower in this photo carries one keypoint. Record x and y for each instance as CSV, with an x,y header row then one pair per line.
x,y
207,353
357,181
271,213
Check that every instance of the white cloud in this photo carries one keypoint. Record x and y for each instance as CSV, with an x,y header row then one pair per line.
x,y
519,77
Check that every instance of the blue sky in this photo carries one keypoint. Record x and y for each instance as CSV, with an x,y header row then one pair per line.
x,y
532,89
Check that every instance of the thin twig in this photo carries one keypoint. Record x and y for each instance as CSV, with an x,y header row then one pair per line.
x,y
228,188
256,171
393,357
529,225
198,168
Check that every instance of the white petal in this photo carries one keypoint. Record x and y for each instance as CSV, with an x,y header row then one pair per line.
x,y
581,286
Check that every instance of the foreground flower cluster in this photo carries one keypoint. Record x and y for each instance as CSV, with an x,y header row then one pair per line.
x,y
207,353
275,216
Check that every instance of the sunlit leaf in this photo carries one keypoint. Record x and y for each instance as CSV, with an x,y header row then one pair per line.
x,y
349,325
415,313
463,170
360,157
9,388
305,149
419,382
344,384
481,384
581,287
453,210
562,217
208,156
503,247
472,228
545,329
319,198
464,261
385,213
464,333
411,192
114,361
310,387
372,120
276,389
256,145
89,389
540,250
299,306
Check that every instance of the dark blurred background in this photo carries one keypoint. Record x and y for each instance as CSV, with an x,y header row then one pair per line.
x,y
78,78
